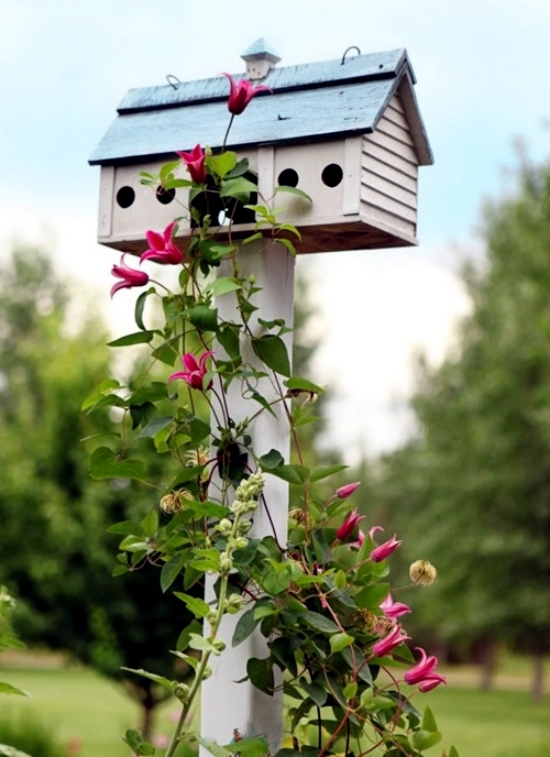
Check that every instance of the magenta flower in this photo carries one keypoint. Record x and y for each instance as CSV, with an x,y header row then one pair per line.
x,y
384,550
241,93
348,526
194,161
347,490
359,541
393,609
395,637
195,371
130,277
423,673
162,246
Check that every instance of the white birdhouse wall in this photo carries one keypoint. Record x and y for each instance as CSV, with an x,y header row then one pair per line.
x,y
363,191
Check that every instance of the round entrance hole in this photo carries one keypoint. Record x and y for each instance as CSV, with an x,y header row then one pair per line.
x,y
288,178
165,196
125,197
332,175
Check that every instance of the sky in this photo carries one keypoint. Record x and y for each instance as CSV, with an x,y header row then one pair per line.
x,y
482,69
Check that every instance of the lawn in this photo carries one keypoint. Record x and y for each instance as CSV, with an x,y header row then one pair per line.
x,y
81,706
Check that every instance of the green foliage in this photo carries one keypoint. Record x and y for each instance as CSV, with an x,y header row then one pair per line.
x,y
27,735
57,557
472,493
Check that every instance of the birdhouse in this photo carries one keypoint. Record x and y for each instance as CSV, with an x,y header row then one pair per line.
x,y
347,132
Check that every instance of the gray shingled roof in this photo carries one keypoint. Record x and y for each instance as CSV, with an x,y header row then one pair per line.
x,y
308,102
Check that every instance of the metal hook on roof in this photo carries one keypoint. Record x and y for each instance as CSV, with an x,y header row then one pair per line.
x,y
352,47
173,81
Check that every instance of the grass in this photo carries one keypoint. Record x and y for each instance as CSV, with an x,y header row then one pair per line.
x,y
82,707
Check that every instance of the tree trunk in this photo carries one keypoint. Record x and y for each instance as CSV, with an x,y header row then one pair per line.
x,y
147,717
488,660
537,688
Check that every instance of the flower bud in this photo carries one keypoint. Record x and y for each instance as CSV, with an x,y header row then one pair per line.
x,y
212,617
224,526
181,692
226,563
218,644
422,573
240,542
234,604
206,673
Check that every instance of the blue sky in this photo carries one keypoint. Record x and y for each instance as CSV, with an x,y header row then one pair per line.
x,y
483,70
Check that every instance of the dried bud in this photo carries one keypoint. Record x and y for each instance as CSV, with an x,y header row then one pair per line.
x,y
174,502
423,573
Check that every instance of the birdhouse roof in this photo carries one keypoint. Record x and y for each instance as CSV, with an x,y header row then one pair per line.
x,y
307,103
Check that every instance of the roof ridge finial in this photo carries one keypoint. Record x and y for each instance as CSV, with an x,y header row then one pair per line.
x,y
260,59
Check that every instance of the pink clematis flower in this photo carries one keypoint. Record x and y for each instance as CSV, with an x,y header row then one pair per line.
x,y
384,550
194,161
393,609
349,525
347,490
130,277
359,541
423,673
395,637
195,371
241,93
162,246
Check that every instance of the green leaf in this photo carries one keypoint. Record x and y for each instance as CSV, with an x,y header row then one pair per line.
x,y
240,169
254,746
239,188
222,164
214,748
126,527
170,571
198,606
453,752
350,690
161,680
294,191
166,354
316,693
223,285
167,168
340,641
203,318
228,337
155,425
7,688
139,337
152,392
317,474
104,464
288,244
319,622
293,474
270,460
272,351
303,385
140,305
260,673
245,626
425,739
428,721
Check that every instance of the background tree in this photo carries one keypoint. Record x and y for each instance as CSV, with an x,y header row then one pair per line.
x,y
472,492
57,556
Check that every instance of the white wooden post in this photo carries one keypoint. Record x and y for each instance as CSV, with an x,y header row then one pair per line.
x,y
227,705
